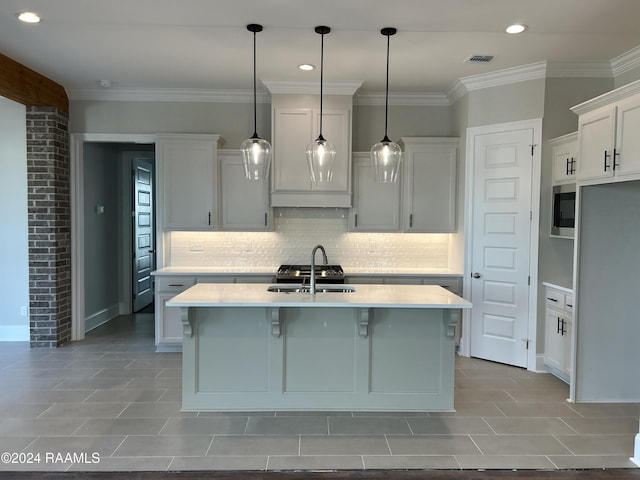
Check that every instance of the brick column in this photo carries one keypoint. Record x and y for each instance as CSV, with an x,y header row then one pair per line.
x,y
49,211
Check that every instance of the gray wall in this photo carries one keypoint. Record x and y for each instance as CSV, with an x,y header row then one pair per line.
x,y
102,231
506,103
14,255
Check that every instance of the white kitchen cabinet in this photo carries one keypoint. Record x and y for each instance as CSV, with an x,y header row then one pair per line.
x,y
376,206
429,184
564,158
295,124
244,204
168,331
558,332
187,173
609,145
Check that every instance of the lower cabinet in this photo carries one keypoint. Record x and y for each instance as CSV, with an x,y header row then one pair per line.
x,y
558,349
168,320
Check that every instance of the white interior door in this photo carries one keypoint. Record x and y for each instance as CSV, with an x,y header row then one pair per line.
x,y
501,245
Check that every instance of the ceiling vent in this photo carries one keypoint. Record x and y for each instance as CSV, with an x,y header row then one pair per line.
x,y
480,59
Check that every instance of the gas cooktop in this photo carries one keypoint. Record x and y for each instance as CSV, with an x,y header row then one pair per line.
x,y
302,274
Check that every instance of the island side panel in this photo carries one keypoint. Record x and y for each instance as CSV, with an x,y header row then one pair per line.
x,y
248,358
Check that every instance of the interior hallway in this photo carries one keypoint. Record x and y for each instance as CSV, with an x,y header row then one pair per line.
x,y
112,395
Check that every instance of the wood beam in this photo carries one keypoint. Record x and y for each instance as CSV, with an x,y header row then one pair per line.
x,y
23,85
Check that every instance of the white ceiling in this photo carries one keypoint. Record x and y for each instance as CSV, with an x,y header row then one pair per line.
x,y
204,44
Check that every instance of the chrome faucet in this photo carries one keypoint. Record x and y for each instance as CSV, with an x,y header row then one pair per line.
x,y
312,284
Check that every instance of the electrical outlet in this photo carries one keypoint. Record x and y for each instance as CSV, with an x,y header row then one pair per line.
x,y
196,247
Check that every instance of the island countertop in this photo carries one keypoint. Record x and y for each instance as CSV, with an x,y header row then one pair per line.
x,y
364,296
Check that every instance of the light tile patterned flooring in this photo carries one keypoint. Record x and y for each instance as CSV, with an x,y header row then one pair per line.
x,y
111,395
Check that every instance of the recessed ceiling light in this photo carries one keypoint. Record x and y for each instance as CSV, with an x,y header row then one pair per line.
x,y
104,83
516,28
306,67
28,17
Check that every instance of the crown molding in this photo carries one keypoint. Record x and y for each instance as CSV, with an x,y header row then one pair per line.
x,y
168,95
312,88
625,62
433,99
533,71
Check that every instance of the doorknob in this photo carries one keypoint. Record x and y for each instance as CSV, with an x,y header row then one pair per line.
x,y
476,275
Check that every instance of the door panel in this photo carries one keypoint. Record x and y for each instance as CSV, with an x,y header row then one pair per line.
x,y
143,233
501,242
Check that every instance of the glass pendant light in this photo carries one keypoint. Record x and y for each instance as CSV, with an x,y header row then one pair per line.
x,y
385,154
320,153
256,152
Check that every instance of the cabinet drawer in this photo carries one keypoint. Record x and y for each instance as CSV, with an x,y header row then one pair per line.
x,y
174,283
554,299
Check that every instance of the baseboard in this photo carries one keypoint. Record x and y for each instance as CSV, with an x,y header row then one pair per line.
x,y
101,317
540,366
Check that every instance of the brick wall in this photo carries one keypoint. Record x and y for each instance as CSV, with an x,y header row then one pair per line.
x,y
49,211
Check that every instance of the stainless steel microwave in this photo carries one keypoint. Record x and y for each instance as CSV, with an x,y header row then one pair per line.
x,y
564,210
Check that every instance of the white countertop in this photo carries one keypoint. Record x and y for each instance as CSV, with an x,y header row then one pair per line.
x,y
558,287
365,296
271,270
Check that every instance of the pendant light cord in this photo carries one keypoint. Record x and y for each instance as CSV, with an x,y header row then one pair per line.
x,y
255,95
386,98
321,79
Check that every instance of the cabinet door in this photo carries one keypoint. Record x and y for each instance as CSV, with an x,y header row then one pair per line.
x,y
188,177
376,206
244,204
627,137
292,132
168,322
564,163
553,340
596,131
430,186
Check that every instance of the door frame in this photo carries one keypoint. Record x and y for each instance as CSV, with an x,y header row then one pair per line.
x,y
76,153
472,132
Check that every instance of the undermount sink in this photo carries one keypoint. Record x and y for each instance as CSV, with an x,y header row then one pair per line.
x,y
284,288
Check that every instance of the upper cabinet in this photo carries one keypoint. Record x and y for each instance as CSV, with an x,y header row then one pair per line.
x,y
295,123
203,188
609,144
244,204
376,206
565,158
429,182
424,198
186,169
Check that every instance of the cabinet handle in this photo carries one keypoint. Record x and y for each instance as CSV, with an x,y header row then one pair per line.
x,y
411,220
552,299
568,168
558,325
573,166
209,218
615,155
606,156
355,220
563,330
176,285
265,218
569,305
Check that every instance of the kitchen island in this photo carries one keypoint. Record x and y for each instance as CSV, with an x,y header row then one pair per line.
x,y
377,348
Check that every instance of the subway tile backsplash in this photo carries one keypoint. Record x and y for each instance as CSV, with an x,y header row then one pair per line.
x,y
296,232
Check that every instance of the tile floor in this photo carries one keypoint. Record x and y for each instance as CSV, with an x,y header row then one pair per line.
x,y
111,403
